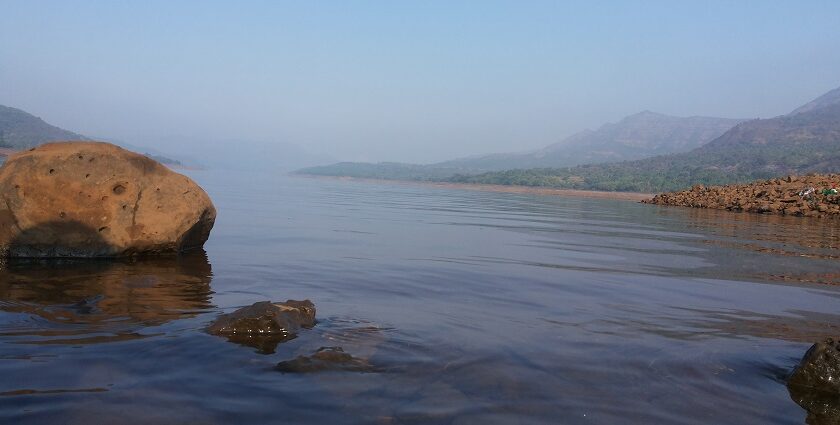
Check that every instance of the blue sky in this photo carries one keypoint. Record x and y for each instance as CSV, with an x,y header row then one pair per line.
x,y
405,81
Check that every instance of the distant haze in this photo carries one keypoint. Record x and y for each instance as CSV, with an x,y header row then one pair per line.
x,y
402,81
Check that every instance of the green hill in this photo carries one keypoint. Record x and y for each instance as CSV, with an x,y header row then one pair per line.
x,y
799,143
804,141
637,136
21,130
382,170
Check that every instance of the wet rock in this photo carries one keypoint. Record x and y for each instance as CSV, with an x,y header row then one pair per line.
x,y
819,368
776,196
815,383
822,408
325,359
88,199
264,324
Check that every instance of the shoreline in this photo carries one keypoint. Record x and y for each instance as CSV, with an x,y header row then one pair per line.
x,y
542,191
802,196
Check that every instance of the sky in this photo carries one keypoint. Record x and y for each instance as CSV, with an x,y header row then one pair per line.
x,y
420,81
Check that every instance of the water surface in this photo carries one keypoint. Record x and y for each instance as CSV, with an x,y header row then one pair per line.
x,y
475,307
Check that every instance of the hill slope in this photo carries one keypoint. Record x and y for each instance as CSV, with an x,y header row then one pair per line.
x,y
796,143
637,136
21,130
828,99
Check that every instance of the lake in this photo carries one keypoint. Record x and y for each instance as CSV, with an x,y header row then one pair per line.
x,y
475,308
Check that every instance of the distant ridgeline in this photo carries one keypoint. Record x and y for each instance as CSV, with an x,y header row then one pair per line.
x,y
164,160
804,141
21,130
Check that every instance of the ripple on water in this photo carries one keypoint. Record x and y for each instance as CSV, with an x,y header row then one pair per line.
x,y
474,307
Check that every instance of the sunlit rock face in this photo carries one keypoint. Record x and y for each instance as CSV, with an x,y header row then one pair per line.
x,y
89,199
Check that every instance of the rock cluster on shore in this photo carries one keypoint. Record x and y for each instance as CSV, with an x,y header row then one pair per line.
x,y
793,195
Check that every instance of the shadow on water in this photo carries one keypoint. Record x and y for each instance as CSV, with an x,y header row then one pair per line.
x,y
91,301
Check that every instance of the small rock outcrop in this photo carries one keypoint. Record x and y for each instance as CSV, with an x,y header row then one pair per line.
x,y
264,324
819,368
89,199
810,196
815,383
325,359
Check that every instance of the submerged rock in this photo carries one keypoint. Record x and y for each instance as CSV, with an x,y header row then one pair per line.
x,y
815,383
324,359
822,408
89,199
264,324
819,369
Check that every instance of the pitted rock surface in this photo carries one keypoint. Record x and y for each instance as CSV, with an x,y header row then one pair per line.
x,y
90,199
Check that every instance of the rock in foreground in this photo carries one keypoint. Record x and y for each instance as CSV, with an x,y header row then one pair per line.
x,y
815,383
88,199
819,368
263,325
326,358
799,196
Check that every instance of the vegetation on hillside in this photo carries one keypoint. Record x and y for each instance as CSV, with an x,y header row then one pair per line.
x,y
759,149
21,130
641,135
800,143
383,170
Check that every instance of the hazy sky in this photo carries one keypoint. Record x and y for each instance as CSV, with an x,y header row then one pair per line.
x,y
407,81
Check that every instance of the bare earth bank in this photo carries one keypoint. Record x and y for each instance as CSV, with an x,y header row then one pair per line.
x,y
627,196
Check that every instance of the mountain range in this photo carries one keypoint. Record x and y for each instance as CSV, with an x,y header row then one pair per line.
x,y
805,140
637,136
641,135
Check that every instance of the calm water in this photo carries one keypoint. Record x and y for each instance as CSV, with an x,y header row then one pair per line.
x,y
477,308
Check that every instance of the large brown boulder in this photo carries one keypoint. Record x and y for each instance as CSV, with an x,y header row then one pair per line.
x,y
89,199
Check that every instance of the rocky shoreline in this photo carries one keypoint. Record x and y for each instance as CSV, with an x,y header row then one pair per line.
x,y
813,195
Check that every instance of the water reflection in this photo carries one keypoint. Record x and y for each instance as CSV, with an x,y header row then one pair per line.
x,y
796,326
76,301
760,247
774,234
